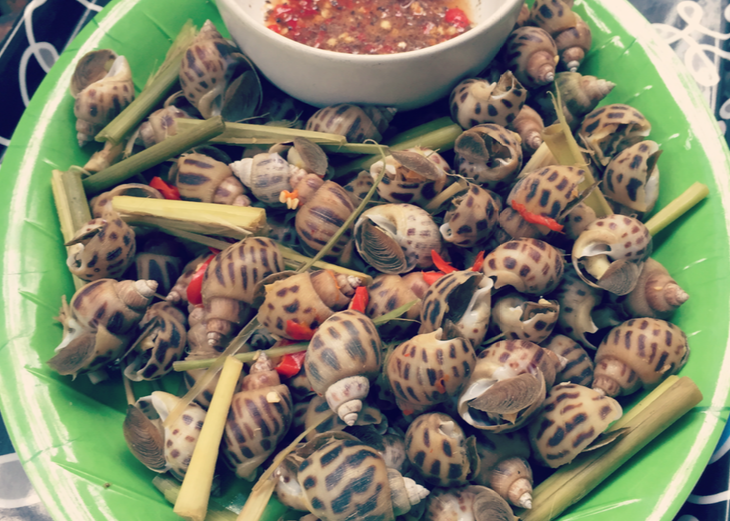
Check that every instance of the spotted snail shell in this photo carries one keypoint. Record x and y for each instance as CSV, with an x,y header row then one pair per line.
x,y
470,503
578,220
577,301
102,203
102,86
504,467
415,175
573,44
389,292
656,294
358,188
160,125
98,324
396,238
437,446
571,418
529,265
489,154
459,302
530,126
519,318
258,419
307,299
572,35
343,356
530,53
102,248
428,369
356,123
579,366
472,218
201,178
229,283
318,407
580,94
610,129
639,352
475,101
160,345
632,177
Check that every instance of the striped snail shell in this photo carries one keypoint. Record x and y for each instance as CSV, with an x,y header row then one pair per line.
x,y
396,238
530,53
520,318
529,265
318,407
102,203
307,299
639,352
160,125
159,259
178,294
98,324
201,178
610,253
427,370
357,124
102,248
389,292
229,283
415,175
489,154
571,418
573,44
102,87
343,356
610,129
475,101
504,466
470,503
459,302
300,386
530,126
579,366
472,218
437,446
266,175
656,294
577,301
632,178
199,349
508,385
258,419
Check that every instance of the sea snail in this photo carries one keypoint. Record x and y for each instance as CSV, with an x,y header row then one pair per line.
x,y
579,366
201,178
631,180
357,124
531,54
655,295
475,101
470,503
489,154
472,218
529,265
343,356
571,34
610,129
415,175
580,94
389,292
503,466
520,318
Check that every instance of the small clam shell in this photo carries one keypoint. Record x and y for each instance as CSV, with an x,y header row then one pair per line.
x,y
475,101
632,177
472,219
521,319
489,154
529,265
610,129
579,366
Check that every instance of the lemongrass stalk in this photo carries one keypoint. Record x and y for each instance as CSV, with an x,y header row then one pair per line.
x,y
170,147
540,159
72,208
678,207
171,490
571,483
420,130
192,503
153,92
446,195
250,134
294,260
237,222
356,148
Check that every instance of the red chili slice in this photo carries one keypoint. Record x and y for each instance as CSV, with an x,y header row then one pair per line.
x,y
298,331
440,263
478,262
167,191
360,301
536,219
291,364
195,287
429,277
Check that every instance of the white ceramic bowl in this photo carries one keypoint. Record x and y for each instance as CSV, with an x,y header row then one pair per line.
x,y
406,80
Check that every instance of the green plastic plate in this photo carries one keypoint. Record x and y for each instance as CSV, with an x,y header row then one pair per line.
x,y
68,434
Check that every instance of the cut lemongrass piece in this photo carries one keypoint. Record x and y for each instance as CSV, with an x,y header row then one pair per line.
x,y
192,502
356,148
189,365
294,260
155,90
72,208
678,207
236,222
249,134
170,488
170,147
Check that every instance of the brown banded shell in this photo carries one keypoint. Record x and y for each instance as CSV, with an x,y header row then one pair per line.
x,y
102,87
460,303
530,126
529,265
554,16
572,35
470,503
610,129
98,324
580,94
472,218
504,467
343,356
102,203
437,446
258,419
508,385
489,154
307,299
519,318
571,418
632,177
318,407
163,342
396,238
415,175
266,174
475,101
573,44
530,53
102,248
579,366
357,124
427,370
610,253
639,352
389,292
201,178
229,283
656,294
164,269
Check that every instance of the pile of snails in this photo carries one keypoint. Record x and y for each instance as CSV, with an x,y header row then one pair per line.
x,y
529,315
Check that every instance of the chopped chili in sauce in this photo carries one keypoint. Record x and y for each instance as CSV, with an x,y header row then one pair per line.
x,y
369,26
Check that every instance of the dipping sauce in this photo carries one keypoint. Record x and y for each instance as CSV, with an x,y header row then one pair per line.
x,y
369,26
